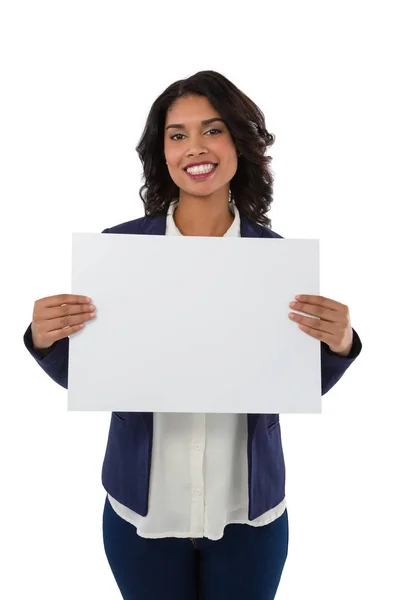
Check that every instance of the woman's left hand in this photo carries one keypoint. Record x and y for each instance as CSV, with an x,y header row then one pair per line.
x,y
333,326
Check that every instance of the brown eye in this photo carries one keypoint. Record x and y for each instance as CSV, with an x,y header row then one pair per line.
x,y
213,129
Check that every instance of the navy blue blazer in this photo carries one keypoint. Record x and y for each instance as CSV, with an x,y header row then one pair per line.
x,y
127,461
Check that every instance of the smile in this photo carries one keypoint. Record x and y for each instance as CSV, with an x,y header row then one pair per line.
x,y
202,172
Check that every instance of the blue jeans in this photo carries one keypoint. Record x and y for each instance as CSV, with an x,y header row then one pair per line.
x,y
246,563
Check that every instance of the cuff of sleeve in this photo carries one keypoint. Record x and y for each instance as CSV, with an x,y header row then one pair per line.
x,y
38,355
355,349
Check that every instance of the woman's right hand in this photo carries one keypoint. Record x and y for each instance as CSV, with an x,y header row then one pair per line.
x,y
57,317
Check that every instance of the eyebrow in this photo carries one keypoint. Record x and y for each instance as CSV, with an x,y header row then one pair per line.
x,y
205,122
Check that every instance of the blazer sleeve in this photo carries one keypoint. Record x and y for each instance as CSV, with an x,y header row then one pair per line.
x,y
55,363
333,366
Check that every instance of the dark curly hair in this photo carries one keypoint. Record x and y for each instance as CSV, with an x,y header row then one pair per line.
x,y
251,186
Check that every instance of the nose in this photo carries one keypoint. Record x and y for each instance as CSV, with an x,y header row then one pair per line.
x,y
195,146
194,152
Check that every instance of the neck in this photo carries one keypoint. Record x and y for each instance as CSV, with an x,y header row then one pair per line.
x,y
200,217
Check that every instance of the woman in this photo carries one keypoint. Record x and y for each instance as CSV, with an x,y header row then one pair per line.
x,y
196,502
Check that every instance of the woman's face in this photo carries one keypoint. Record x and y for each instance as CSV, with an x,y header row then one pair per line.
x,y
191,142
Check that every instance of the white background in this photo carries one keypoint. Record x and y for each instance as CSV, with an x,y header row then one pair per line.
x,y
78,80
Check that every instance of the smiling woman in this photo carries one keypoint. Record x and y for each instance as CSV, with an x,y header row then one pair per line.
x,y
185,489
206,120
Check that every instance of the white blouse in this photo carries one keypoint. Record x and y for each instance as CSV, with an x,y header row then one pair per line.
x,y
199,472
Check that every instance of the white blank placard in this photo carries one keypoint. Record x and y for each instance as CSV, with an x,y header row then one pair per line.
x,y
193,324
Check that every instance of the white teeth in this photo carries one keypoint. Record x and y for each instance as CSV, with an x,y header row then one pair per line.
x,y
200,169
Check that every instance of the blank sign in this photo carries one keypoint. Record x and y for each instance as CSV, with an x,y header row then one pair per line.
x,y
193,324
